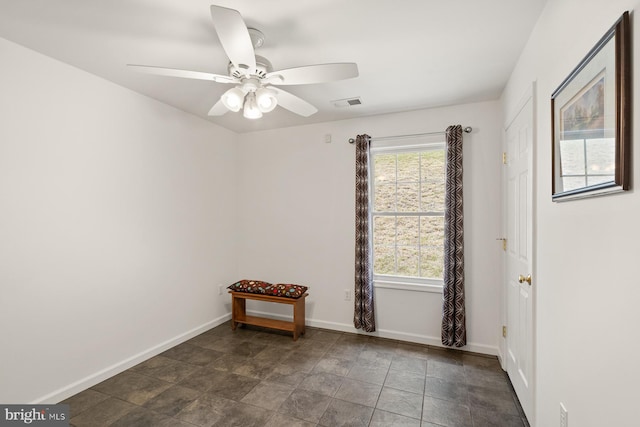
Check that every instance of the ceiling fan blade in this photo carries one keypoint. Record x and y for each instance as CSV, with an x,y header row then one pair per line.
x,y
218,109
172,72
313,74
293,103
234,37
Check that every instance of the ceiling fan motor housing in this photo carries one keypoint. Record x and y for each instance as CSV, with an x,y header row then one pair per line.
x,y
263,67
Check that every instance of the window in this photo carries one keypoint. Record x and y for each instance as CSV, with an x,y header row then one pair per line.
x,y
407,213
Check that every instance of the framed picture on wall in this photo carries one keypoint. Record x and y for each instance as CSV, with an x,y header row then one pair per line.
x,y
591,120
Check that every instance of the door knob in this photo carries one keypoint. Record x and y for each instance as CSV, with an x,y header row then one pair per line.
x,y
523,279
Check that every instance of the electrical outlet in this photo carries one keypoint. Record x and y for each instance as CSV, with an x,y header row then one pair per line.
x,y
347,295
220,288
564,416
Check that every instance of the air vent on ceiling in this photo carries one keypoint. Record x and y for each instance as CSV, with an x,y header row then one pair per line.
x,y
347,102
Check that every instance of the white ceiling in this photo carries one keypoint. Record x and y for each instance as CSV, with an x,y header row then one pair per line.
x,y
411,54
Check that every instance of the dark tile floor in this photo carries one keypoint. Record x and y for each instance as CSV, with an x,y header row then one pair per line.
x,y
254,377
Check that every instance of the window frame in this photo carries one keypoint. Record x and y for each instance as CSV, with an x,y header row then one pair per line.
x,y
395,146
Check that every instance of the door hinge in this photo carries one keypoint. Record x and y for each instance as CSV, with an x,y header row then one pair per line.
x,y
504,157
504,331
504,243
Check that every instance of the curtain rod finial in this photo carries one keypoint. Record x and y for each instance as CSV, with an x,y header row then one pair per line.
x,y
351,140
468,129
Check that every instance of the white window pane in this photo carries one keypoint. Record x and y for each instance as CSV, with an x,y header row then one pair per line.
x,y
385,198
431,262
433,179
432,165
408,230
384,261
408,258
384,230
408,197
408,167
432,196
385,168
431,246
432,231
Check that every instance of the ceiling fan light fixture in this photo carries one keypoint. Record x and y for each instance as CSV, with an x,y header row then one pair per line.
x,y
251,109
266,99
233,99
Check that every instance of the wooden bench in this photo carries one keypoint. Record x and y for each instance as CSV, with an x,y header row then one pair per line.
x,y
239,312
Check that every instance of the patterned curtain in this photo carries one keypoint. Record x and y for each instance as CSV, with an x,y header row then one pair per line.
x,y
454,332
363,316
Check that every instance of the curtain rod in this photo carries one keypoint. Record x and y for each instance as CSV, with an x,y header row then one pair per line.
x,y
467,129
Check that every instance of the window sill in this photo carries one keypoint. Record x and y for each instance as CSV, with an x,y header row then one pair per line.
x,y
403,286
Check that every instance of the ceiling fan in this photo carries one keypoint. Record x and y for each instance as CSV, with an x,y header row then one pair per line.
x,y
255,82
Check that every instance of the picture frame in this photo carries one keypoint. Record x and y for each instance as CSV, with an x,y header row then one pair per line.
x,y
591,121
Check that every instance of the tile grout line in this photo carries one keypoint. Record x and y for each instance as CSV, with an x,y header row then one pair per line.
x,y
317,350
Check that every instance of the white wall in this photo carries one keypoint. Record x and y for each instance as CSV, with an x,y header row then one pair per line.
x,y
587,255
296,217
116,225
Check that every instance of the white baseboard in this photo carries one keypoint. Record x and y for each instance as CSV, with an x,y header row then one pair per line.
x,y
93,379
501,359
383,333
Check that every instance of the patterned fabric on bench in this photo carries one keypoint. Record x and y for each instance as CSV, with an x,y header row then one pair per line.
x,y
260,287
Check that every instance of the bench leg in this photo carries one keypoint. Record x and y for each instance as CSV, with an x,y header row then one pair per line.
x,y
298,319
238,311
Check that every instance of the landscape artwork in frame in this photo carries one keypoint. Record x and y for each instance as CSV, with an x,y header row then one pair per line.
x,y
591,121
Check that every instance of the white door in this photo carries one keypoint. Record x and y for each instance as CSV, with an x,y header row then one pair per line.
x,y
519,251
